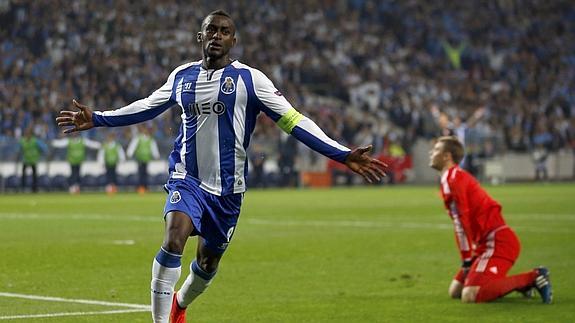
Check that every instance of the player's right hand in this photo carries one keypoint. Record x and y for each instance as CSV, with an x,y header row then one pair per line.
x,y
466,266
80,120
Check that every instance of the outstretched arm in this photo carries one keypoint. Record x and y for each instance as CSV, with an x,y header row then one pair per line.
x,y
275,105
358,159
476,116
79,120
136,112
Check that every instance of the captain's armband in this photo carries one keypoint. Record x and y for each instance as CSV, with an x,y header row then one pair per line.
x,y
289,120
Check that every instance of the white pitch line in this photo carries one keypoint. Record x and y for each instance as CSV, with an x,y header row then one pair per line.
x,y
349,223
104,217
393,225
33,316
73,300
316,223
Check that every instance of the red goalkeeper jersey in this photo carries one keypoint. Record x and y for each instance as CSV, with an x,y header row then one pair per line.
x,y
474,213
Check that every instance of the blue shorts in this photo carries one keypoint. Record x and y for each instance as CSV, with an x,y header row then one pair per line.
x,y
214,217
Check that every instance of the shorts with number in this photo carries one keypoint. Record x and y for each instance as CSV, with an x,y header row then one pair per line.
x,y
498,255
214,217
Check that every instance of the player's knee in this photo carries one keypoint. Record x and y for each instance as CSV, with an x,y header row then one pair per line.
x,y
455,289
174,245
468,295
454,293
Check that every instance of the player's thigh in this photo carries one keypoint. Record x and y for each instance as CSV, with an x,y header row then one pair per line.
x,y
219,221
500,251
183,209
494,268
178,228
507,244
218,226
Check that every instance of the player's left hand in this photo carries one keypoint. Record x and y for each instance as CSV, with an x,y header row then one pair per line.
x,y
360,162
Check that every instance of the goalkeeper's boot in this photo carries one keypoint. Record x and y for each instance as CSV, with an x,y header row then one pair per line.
x,y
543,285
177,314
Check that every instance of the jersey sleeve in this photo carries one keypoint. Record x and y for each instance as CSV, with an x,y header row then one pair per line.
x,y
139,111
463,243
459,188
277,107
92,144
60,143
460,215
100,157
121,153
132,147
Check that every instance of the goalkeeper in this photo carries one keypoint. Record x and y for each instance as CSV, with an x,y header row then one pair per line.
x,y
487,245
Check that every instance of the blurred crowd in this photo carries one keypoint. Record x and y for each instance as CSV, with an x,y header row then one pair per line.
x,y
368,72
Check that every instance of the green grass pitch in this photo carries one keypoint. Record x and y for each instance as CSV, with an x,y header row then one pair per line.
x,y
378,254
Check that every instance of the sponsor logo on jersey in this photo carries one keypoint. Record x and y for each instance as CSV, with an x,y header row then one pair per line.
x,y
187,87
278,93
175,198
228,87
493,270
197,109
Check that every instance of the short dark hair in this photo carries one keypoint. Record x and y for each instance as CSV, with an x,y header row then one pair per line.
x,y
222,13
453,146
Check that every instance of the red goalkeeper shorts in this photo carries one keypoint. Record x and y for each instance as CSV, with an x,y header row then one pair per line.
x,y
500,250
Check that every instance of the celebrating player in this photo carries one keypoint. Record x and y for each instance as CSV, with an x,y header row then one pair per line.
x,y
487,245
220,99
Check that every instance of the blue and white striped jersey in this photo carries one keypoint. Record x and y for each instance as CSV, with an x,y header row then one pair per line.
x,y
219,110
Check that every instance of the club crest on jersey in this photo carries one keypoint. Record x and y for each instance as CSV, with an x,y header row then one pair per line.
x,y
175,198
228,87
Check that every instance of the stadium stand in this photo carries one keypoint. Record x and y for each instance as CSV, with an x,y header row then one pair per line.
x,y
367,71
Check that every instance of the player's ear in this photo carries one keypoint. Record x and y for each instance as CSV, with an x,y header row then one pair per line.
x,y
234,41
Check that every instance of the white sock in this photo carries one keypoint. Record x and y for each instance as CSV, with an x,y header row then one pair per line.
x,y
164,279
196,283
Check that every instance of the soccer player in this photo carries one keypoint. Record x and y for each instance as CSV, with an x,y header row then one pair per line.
x,y
220,99
487,245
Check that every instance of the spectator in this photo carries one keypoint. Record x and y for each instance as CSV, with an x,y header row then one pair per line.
x,y
515,57
542,141
540,155
287,161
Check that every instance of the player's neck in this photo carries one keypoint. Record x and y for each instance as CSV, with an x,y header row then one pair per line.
x,y
210,63
447,167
